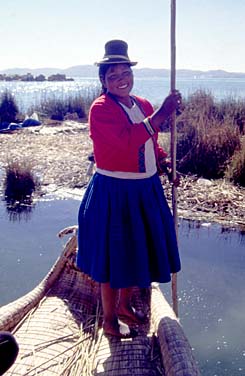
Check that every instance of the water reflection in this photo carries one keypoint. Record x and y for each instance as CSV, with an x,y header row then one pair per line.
x,y
239,230
212,296
19,186
188,226
19,210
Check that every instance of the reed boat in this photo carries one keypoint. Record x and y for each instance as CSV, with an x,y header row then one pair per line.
x,y
58,328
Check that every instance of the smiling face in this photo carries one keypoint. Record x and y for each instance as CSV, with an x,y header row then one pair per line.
x,y
118,80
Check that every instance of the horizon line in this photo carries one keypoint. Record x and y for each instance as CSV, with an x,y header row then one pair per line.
x,y
59,70
135,68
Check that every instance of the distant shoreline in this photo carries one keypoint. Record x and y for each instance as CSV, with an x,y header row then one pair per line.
x,y
28,77
92,71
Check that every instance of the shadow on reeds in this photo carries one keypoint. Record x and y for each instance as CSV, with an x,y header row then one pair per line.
x,y
19,184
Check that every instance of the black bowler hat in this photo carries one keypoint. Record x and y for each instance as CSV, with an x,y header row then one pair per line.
x,y
116,52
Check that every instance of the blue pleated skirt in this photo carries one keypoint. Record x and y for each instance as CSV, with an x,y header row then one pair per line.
x,y
126,233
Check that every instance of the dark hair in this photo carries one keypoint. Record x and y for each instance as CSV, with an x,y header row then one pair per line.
x,y
103,68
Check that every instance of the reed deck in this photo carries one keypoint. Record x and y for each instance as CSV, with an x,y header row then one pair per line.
x,y
58,329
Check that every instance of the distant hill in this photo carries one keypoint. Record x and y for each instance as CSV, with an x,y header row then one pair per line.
x,y
78,70
92,71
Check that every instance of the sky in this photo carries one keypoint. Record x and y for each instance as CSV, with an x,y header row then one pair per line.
x,y
64,33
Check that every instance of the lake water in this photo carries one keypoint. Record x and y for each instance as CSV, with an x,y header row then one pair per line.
x,y
30,94
210,285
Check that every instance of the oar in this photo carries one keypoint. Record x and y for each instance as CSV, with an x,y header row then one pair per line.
x,y
173,142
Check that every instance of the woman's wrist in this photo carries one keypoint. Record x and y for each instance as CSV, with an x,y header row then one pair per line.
x,y
149,126
154,123
157,120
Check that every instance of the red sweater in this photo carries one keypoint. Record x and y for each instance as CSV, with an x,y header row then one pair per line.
x,y
119,144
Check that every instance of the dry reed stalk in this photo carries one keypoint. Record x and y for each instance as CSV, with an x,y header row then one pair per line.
x,y
210,200
45,344
23,320
82,361
55,357
29,315
79,362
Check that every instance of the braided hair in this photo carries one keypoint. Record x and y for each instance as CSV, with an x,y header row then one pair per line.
x,y
103,68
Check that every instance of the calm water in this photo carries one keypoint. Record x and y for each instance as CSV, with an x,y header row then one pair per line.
x,y
211,283
212,297
30,94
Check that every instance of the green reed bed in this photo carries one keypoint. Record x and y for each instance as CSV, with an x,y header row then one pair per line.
x,y
210,138
235,171
8,109
63,107
19,182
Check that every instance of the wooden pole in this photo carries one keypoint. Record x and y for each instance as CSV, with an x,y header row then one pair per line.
x,y
173,143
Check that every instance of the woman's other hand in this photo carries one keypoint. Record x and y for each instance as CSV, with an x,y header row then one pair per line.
x,y
164,166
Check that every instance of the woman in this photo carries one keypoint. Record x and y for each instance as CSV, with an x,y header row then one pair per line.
x,y
126,233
